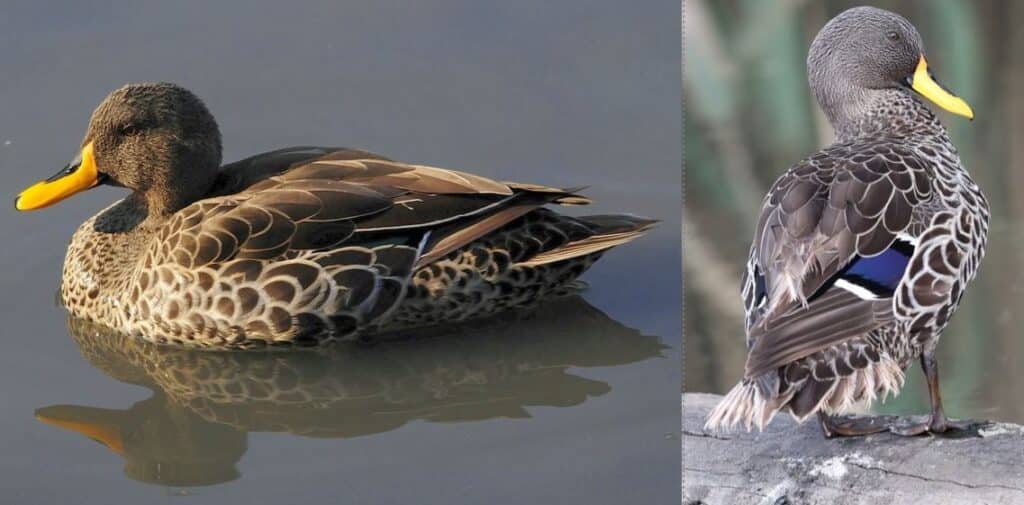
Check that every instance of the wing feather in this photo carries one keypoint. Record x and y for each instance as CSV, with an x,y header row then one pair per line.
x,y
316,198
819,217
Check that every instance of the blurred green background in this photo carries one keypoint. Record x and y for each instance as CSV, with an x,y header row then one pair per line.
x,y
749,115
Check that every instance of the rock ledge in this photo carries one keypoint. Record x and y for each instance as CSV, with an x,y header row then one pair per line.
x,y
793,464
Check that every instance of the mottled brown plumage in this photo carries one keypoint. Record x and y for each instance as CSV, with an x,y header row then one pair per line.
x,y
863,250
304,245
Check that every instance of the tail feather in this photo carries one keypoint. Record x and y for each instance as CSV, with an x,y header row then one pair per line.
x,y
617,223
563,196
610,231
745,405
863,387
742,405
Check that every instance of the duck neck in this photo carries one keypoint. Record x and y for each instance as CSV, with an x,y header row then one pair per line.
x,y
126,217
160,203
894,111
162,200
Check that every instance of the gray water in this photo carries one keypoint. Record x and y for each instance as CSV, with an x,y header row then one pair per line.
x,y
574,403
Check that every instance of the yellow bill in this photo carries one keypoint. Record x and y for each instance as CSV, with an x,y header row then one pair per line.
x,y
923,83
79,175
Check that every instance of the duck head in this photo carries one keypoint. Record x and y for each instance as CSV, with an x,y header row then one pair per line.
x,y
157,139
865,50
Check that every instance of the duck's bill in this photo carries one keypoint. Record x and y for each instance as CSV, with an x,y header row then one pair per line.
x,y
79,175
923,83
98,424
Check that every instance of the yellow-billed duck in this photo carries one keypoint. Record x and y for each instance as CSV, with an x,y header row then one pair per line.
x,y
864,249
298,246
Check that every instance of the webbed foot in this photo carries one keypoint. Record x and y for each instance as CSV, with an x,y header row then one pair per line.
x,y
940,426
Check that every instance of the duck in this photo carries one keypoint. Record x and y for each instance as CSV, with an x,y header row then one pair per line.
x,y
863,250
300,246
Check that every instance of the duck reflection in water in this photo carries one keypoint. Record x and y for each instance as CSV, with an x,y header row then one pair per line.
x,y
193,430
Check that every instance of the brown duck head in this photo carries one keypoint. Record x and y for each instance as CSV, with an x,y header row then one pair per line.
x,y
157,139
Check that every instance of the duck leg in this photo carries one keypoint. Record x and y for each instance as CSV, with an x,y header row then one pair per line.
x,y
938,423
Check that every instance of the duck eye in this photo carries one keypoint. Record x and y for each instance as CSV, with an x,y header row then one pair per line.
x,y
893,36
129,130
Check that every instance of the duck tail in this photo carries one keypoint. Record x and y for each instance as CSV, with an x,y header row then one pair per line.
x,y
610,230
742,405
605,224
746,403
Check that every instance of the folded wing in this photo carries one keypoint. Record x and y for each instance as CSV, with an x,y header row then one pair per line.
x,y
834,238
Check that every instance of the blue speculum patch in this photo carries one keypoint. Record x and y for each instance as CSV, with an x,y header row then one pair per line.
x,y
881,274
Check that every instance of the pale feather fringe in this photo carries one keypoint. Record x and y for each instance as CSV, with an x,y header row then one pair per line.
x,y
738,406
584,247
856,392
744,405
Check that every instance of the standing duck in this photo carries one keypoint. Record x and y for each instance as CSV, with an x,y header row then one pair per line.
x,y
862,251
299,246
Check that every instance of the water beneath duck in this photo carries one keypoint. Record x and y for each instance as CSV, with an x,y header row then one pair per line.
x,y
574,403
194,426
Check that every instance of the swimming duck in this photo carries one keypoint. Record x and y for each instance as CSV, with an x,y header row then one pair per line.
x,y
863,250
298,246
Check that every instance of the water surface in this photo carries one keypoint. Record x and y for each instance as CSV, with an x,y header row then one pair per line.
x,y
193,428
